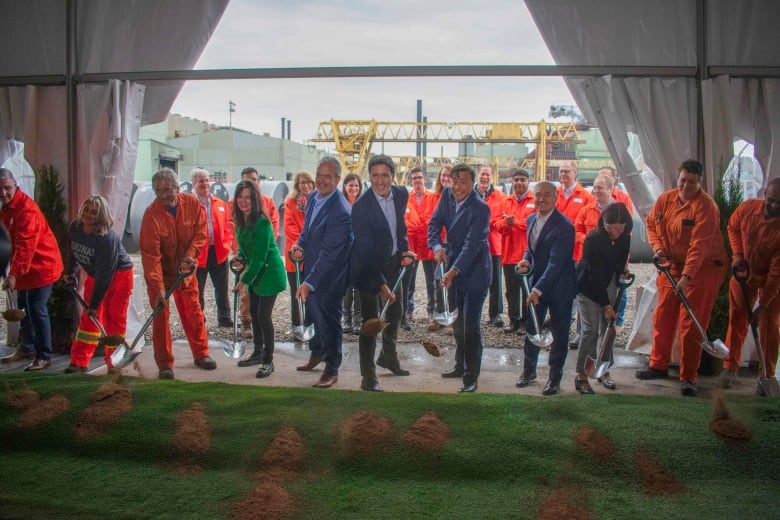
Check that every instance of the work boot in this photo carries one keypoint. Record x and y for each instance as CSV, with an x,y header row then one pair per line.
x,y
206,363
651,373
688,389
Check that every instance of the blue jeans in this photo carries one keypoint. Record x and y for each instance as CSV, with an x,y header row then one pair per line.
x,y
35,326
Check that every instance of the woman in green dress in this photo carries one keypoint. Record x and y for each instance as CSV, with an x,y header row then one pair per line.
x,y
263,275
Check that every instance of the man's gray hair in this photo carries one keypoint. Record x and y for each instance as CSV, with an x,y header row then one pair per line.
x,y
7,174
198,172
329,159
545,184
165,174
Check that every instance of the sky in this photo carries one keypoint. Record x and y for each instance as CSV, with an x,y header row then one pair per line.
x,y
257,34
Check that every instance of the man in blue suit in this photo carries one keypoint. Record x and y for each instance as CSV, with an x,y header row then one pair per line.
x,y
467,220
325,242
381,248
553,284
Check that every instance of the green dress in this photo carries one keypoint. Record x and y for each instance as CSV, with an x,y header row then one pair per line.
x,y
264,274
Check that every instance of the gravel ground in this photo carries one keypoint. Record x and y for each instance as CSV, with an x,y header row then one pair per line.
x,y
492,337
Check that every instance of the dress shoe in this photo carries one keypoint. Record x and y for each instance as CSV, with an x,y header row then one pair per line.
x,y
265,370
582,386
455,372
206,363
37,364
309,366
166,373
19,355
651,373
255,358
498,321
75,369
395,369
226,323
688,389
574,345
468,388
551,388
326,381
525,379
370,385
607,381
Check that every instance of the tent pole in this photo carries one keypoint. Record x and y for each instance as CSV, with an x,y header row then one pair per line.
x,y
70,101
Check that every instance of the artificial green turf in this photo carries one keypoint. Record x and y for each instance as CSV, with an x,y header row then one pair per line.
x,y
504,455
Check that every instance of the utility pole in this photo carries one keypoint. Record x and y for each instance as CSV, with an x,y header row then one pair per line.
x,y
231,109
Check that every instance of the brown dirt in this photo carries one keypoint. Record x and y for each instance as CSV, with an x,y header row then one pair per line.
x,y
723,426
22,399
595,443
285,451
431,347
367,432
427,433
565,503
43,411
108,405
268,501
653,478
191,437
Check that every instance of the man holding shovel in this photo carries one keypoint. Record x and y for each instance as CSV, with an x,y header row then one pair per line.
x,y
381,248
467,221
754,233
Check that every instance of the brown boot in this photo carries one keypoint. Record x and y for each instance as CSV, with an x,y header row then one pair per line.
x,y
19,355
309,366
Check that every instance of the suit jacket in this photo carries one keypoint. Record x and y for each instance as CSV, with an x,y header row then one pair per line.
x,y
554,273
467,237
373,246
326,242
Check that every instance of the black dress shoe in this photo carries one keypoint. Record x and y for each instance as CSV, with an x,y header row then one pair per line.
x,y
498,321
551,388
370,385
525,379
265,370
607,381
455,372
583,386
468,388
396,370
253,359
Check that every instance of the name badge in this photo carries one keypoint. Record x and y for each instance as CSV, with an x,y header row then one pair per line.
x,y
577,200
530,205
220,208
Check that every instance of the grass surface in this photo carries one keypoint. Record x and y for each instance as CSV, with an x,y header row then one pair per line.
x,y
504,456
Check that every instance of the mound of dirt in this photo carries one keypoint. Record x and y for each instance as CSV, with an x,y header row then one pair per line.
x,y
367,432
595,443
653,478
285,451
723,426
43,411
108,405
268,501
22,399
567,502
427,433
191,437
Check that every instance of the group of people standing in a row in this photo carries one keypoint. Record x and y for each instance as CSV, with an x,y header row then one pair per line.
x,y
351,247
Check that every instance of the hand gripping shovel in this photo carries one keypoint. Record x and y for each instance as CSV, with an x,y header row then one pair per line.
x,y
541,339
114,340
599,366
766,386
373,326
714,348
236,349
123,356
447,316
301,332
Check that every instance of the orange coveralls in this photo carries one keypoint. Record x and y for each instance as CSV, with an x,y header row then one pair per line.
x,y
586,221
165,240
690,235
757,238
619,195
571,207
417,216
514,239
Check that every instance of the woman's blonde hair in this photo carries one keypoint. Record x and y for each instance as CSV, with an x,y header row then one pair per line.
x,y
301,175
104,220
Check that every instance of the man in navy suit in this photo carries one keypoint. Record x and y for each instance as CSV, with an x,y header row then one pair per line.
x,y
381,247
553,284
467,220
325,242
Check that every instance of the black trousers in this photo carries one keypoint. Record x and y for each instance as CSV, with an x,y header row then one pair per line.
x,y
495,298
295,314
411,281
516,295
261,308
219,277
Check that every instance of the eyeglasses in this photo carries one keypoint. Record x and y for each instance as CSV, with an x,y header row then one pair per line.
x,y
418,178
565,171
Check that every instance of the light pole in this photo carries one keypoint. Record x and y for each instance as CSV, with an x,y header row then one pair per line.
x,y
231,109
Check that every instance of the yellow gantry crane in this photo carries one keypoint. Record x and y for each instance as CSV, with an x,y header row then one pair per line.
x,y
353,138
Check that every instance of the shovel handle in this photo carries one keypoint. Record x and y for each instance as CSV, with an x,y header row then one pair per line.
x,y
626,280
296,261
237,265
741,272
524,274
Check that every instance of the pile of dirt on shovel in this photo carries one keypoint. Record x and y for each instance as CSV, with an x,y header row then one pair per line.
x,y
365,433
191,438
108,405
280,463
595,443
723,426
427,433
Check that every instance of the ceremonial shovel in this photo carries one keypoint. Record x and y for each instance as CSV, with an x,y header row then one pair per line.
x,y
114,340
12,313
301,332
541,339
373,326
599,366
446,317
236,349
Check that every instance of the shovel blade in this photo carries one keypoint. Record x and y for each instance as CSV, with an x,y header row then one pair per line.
x,y
445,318
543,340
122,356
303,333
602,368
715,348
234,350
768,386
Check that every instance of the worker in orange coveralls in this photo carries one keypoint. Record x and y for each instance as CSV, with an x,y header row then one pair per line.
x,y
494,198
588,217
173,232
511,223
572,197
618,195
754,233
683,228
